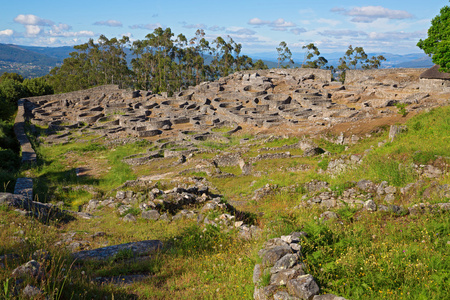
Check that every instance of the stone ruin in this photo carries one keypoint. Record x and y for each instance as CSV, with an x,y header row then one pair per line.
x,y
297,101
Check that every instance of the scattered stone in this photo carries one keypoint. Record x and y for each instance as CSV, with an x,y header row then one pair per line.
x,y
32,292
151,215
129,218
136,249
31,268
264,293
395,130
328,215
41,255
286,262
272,255
303,287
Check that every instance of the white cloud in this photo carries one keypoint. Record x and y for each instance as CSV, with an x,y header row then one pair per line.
x,y
278,25
61,27
369,14
110,23
195,26
32,30
240,31
147,26
6,32
82,33
282,23
257,21
32,20
298,31
216,28
338,34
395,36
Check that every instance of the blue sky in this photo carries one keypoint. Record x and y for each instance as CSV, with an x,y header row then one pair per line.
x,y
378,26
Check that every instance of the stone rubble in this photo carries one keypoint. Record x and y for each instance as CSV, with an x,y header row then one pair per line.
x,y
281,260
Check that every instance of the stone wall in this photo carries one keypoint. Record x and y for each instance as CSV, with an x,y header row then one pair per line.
x,y
435,85
92,93
319,74
384,76
28,154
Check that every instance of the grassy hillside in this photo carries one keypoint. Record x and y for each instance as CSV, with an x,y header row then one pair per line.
x,y
361,255
17,54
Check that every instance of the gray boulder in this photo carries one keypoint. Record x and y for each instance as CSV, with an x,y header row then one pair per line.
x,y
264,293
272,255
150,215
284,263
303,287
31,292
31,268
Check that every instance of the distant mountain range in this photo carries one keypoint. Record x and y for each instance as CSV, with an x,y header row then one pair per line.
x,y
30,61
412,60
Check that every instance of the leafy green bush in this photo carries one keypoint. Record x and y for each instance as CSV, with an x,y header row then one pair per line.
x,y
12,90
8,159
37,87
402,109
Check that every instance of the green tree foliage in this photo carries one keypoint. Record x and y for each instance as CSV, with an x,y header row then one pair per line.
x,y
162,62
260,65
284,54
91,65
12,88
355,58
312,51
437,44
37,87
12,76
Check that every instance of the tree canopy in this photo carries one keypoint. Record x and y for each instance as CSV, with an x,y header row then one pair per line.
x,y
284,54
162,62
318,63
437,44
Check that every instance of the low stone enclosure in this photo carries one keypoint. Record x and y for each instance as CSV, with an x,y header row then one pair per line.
x,y
283,101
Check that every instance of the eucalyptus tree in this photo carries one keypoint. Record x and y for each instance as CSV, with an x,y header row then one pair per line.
x,y
312,51
284,54
357,58
259,65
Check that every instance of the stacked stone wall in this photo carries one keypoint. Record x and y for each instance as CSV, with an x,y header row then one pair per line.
x,y
403,75
435,85
319,74
91,93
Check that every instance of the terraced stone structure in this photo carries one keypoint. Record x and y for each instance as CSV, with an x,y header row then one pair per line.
x,y
294,101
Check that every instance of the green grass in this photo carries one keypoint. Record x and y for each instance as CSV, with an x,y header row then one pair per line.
x,y
279,142
52,173
331,147
374,258
362,256
221,129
